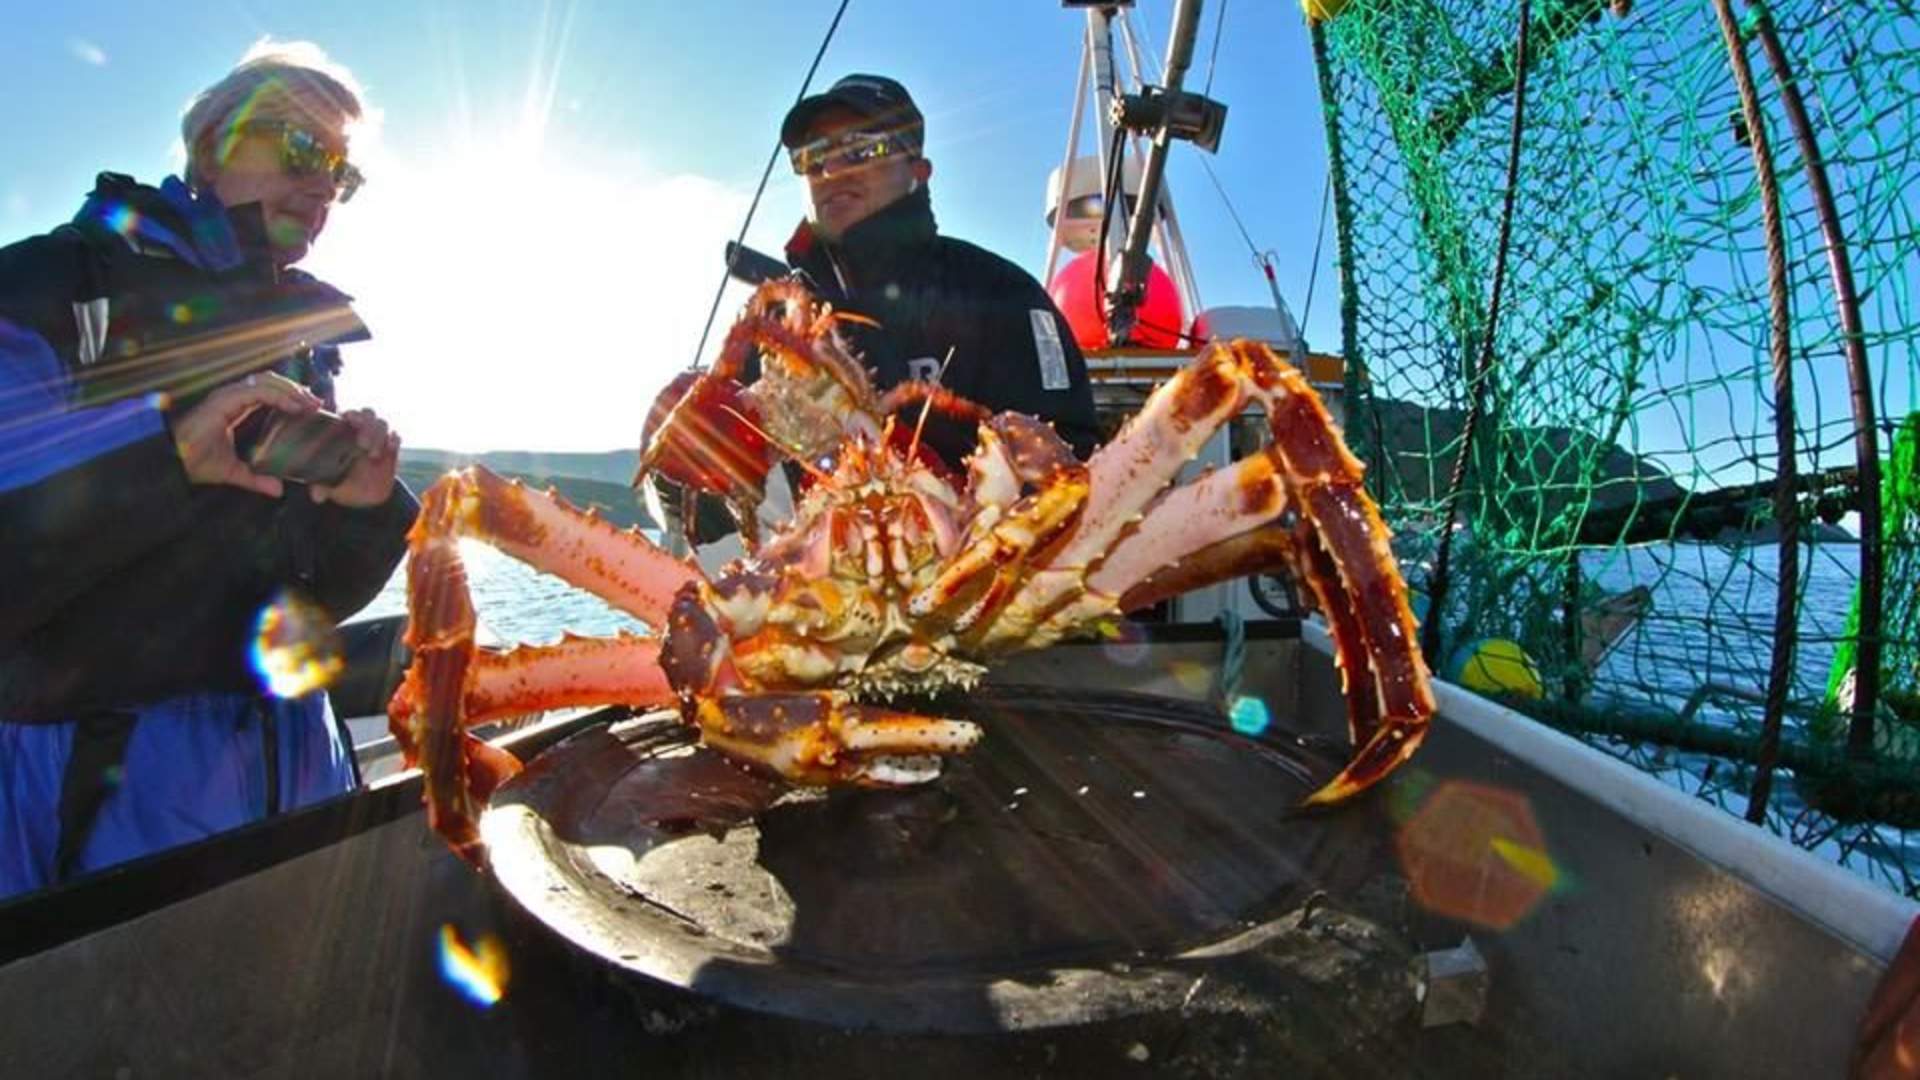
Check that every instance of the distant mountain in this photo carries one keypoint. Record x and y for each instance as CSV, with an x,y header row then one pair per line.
x,y
1608,492
1813,532
610,466
1562,461
615,499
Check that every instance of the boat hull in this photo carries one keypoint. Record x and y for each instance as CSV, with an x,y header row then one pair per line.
x,y
1661,937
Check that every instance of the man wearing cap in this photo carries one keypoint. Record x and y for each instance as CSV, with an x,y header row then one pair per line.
x,y
871,247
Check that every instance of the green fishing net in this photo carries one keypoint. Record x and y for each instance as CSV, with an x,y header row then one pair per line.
x,y
1614,516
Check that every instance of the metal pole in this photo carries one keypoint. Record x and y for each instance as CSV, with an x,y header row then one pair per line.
x,y
1173,246
1100,47
1133,258
1166,233
1866,441
1066,163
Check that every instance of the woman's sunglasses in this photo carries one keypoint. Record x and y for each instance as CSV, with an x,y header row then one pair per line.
x,y
302,153
847,151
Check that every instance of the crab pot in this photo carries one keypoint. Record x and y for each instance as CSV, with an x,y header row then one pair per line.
x,y
1114,881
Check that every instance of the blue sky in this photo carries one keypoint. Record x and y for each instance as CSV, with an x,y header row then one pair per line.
x,y
551,185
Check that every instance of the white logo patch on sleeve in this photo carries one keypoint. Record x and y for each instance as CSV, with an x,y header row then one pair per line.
x,y
1052,354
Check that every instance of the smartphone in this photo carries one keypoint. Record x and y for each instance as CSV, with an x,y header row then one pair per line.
x,y
311,448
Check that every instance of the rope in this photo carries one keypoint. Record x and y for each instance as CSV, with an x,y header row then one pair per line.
x,y
1233,657
1437,584
1780,335
1263,260
1859,382
765,175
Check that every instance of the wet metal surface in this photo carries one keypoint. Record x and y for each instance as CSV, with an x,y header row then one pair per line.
x,y
1056,874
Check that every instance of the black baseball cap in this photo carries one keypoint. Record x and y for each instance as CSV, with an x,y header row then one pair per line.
x,y
875,97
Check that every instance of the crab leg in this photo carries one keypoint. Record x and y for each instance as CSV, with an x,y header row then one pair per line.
x,y
1338,544
440,622
574,672
429,716
1127,473
784,318
823,737
1014,451
543,530
1189,537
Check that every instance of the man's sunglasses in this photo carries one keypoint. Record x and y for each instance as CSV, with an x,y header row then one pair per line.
x,y
851,150
302,153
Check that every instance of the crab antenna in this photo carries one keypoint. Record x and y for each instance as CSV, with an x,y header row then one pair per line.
x,y
792,454
926,406
852,317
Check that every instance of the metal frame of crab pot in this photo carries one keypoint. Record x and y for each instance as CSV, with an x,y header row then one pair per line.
x,y
1675,939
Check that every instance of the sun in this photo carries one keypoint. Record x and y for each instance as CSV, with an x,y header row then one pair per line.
x,y
520,299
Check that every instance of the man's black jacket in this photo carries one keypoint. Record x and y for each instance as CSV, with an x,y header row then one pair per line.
x,y
1012,349
121,583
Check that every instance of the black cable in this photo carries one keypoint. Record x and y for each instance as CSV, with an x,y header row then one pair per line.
x,y
765,175
1483,366
1221,189
1109,194
1218,21
1320,234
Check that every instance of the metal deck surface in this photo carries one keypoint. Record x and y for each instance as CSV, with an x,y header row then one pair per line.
x,y
1073,867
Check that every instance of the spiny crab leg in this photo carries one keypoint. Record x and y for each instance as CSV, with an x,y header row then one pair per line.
x,y
581,548
823,737
1200,516
575,672
1336,541
1014,452
429,715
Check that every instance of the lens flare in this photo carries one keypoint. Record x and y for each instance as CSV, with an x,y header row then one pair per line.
x,y
123,219
1476,853
296,649
1193,677
479,973
1124,643
1409,792
1249,715
1531,862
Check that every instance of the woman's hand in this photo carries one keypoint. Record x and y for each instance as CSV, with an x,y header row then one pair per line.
x,y
370,480
203,435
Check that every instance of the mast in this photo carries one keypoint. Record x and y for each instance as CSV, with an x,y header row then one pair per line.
x,y
1167,236
1106,91
1162,113
1136,210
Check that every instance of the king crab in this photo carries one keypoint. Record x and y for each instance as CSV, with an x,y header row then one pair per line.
x,y
894,576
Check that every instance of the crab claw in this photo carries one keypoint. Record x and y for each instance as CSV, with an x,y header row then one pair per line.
x,y
824,738
704,433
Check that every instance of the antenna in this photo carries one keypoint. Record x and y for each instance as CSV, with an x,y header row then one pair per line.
x,y
926,407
